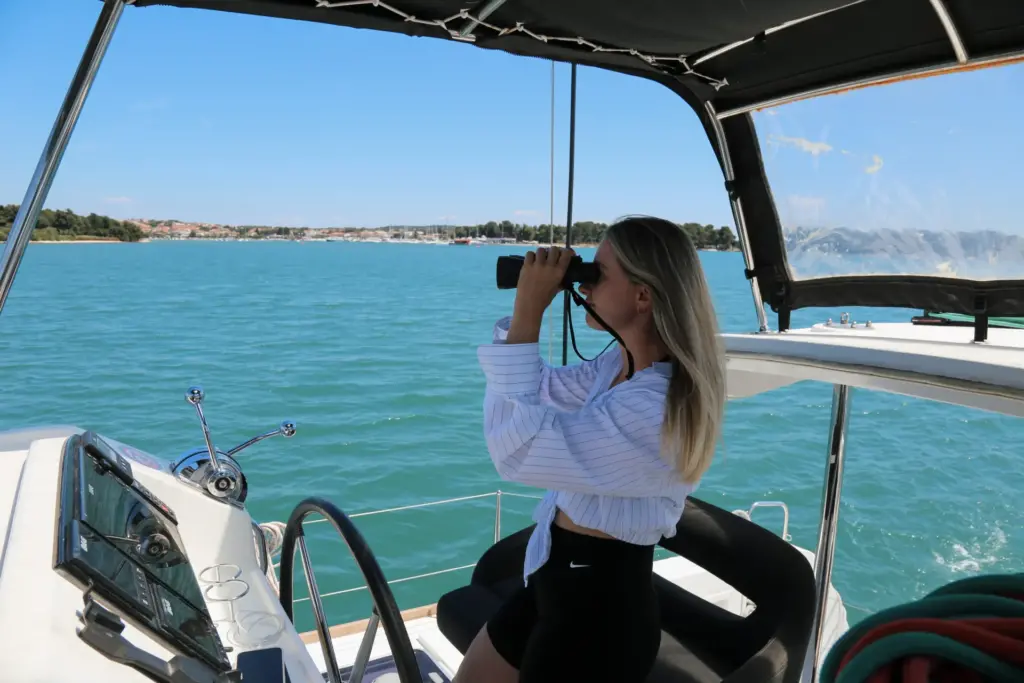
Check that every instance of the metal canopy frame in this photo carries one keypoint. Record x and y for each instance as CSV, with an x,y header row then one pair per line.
x,y
56,143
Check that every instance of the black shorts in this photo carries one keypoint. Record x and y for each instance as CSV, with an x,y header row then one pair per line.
x,y
589,613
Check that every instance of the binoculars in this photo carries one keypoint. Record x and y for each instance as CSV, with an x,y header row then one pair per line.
x,y
509,267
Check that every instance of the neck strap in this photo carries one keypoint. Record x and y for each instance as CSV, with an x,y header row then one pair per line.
x,y
572,334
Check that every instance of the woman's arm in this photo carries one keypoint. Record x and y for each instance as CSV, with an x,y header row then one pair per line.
x,y
565,387
611,446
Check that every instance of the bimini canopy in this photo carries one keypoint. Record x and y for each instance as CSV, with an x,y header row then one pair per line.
x,y
727,58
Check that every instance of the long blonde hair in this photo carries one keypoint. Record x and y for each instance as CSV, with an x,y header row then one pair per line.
x,y
659,254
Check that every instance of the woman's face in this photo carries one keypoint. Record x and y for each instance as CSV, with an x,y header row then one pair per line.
x,y
614,297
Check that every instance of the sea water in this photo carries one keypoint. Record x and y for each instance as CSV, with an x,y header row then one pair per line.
x,y
371,350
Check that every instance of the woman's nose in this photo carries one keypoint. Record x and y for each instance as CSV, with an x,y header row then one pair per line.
x,y
585,289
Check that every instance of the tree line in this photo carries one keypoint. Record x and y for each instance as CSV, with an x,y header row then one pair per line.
x,y
585,232
64,224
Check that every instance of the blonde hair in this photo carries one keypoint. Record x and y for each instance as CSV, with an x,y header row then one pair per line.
x,y
660,255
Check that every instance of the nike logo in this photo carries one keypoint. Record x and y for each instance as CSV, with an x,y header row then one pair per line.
x,y
573,565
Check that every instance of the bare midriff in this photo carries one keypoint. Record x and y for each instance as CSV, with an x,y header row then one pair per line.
x,y
562,520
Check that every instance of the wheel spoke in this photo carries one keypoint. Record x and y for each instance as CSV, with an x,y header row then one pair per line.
x,y
363,655
330,659
385,611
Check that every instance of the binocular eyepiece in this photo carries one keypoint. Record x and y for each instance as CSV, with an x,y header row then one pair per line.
x,y
579,271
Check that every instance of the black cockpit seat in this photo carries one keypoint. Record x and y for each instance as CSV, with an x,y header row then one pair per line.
x,y
700,642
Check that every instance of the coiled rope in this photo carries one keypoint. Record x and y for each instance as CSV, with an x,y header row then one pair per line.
x,y
968,631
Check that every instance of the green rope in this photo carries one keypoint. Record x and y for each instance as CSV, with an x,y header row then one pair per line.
x,y
1016,323
932,606
894,647
985,583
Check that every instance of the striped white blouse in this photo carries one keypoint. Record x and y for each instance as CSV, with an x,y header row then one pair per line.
x,y
596,450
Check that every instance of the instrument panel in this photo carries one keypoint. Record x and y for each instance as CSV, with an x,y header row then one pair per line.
x,y
115,539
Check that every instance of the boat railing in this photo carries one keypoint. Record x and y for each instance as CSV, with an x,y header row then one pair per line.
x,y
498,495
749,512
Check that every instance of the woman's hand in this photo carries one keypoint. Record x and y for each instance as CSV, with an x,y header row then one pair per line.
x,y
539,281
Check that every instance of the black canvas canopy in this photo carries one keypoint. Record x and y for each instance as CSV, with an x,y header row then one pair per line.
x,y
726,58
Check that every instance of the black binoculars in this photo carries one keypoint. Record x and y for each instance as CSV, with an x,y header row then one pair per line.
x,y
509,267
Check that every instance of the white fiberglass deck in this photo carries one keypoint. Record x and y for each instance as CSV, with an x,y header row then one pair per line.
x,y
940,363
444,659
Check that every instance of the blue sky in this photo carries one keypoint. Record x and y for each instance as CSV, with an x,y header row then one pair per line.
x,y
207,116
940,153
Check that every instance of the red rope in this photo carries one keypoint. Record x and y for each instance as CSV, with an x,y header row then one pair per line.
x,y
1002,638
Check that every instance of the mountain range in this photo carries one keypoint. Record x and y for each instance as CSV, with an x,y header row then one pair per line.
x,y
980,254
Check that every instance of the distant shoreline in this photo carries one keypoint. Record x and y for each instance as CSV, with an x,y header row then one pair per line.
x,y
77,242
366,241
64,225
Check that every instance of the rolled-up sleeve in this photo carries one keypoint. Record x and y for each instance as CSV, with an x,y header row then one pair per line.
x,y
565,387
609,446
511,369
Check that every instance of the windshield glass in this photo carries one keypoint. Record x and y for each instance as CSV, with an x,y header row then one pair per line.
x,y
919,177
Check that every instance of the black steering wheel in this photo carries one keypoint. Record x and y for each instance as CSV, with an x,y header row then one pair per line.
x,y
383,601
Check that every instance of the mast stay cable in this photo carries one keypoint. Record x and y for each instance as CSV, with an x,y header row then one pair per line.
x,y
551,200
567,298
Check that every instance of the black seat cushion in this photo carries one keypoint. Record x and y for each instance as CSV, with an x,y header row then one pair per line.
x,y
464,611
769,644
677,663
701,642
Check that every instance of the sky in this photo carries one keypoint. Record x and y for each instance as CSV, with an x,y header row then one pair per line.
x,y
214,117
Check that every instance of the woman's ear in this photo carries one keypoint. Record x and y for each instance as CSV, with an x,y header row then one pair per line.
x,y
643,300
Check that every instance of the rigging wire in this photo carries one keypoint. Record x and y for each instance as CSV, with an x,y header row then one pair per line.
x,y
551,209
570,294
567,300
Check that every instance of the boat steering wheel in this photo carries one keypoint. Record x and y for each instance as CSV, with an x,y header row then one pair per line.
x,y
384,605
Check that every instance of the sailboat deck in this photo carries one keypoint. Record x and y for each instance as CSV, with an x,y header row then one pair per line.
x,y
439,659
935,363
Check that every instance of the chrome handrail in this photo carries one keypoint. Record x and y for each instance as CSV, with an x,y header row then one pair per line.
x,y
775,504
748,514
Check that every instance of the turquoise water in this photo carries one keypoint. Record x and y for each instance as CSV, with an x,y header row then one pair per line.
x,y
370,348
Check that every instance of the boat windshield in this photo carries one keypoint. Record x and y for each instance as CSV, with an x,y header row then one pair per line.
x,y
917,177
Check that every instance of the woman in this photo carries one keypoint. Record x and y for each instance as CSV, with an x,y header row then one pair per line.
x,y
617,453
